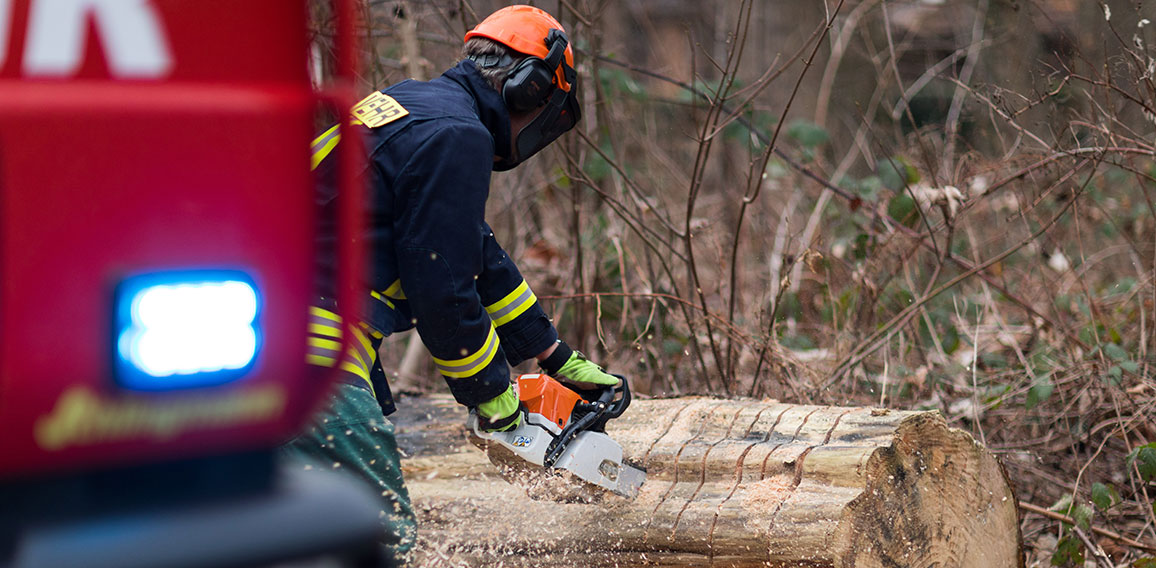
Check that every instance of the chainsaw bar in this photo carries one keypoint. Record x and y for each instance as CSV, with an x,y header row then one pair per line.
x,y
561,438
590,467
630,479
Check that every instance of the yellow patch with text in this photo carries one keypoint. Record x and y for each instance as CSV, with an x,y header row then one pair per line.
x,y
83,417
378,109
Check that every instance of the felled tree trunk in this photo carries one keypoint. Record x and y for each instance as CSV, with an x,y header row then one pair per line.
x,y
729,483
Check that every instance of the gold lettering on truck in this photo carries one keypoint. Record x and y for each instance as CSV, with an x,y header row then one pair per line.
x,y
83,417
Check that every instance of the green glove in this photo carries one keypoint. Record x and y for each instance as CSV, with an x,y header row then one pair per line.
x,y
576,369
500,413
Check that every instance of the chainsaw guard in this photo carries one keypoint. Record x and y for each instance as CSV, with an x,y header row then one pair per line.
x,y
590,466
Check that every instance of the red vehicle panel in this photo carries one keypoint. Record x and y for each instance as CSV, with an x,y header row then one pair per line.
x,y
148,136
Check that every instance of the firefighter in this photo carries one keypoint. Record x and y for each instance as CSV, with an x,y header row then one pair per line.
x,y
435,264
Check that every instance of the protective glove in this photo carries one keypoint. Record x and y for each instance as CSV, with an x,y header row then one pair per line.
x,y
500,413
573,367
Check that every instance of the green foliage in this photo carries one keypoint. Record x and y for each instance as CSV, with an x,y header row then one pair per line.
x,y
993,360
1114,376
1115,352
617,81
1144,458
1117,176
1069,550
562,178
789,307
839,311
673,347
899,298
1090,333
1041,390
896,172
1069,553
807,133
1079,512
1122,361
861,248
1121,286
950,339
867,188
1042,361
598,168
1060,93
943,328
1149,562
797,342
1104,496
776,169
902,208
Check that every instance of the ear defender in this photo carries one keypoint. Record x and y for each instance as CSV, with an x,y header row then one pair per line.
x,y
530,84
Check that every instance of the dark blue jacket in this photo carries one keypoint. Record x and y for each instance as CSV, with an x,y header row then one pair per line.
x,y
435,262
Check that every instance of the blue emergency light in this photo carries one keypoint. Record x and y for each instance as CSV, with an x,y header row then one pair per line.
x,y
186,329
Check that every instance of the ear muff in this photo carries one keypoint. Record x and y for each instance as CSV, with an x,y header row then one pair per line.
x,y
530,84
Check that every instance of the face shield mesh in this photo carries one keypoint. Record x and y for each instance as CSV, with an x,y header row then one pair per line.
x,y
560,114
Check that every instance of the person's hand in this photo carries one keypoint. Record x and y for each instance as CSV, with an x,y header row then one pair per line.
x,y
501,413
573,367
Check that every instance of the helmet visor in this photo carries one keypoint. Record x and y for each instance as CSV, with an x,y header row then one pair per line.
x,y
560,114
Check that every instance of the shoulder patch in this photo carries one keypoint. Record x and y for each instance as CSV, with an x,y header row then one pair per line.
x,y
378,109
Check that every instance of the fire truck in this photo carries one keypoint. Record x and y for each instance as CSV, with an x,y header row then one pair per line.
x,y
156,264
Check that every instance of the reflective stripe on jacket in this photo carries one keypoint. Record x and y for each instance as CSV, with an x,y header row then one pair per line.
x,y
435,262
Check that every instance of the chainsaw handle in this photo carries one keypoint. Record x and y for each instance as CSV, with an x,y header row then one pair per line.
x,y
611,403
615,408
613,400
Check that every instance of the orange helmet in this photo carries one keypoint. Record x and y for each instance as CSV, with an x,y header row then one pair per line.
x,y
524,29
544,81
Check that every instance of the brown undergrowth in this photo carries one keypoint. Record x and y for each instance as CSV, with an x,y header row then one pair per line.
x,y
945,205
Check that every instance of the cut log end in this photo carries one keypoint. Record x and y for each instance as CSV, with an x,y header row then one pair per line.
x,y
934,497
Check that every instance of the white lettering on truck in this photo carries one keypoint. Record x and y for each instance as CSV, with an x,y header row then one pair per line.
x,y
130,31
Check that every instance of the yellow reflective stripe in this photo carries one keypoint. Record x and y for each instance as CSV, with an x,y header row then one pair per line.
x,y
320,360
328,324
324,330
362,357
347,366
324,313
323,145
324,345
513,305
394,291
473,363
319,345
377,296
356,369
366,354
329,344
322,353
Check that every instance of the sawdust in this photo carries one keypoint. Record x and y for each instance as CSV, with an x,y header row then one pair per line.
x,y
457,532
767,494
539,484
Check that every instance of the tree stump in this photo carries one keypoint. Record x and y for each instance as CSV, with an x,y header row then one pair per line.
x,y
729,483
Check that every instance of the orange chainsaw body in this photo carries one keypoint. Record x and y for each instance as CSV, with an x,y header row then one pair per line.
x,y
542,394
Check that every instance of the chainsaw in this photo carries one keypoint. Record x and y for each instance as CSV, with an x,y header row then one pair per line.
x,y
560,451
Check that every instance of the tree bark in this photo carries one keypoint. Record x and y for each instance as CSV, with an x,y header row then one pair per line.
x,y
729,483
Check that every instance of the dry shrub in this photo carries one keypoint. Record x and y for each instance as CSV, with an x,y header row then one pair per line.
x,y
907,204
